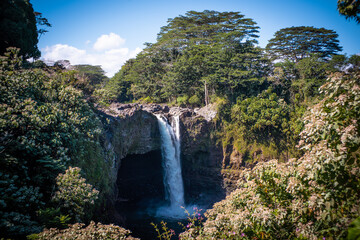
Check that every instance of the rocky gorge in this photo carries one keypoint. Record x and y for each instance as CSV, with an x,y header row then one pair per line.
x,y
132,135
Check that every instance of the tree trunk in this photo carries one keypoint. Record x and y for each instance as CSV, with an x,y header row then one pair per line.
x,y
206,94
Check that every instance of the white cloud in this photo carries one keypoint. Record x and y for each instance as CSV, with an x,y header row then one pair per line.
x,y
111,41
63,52
110,59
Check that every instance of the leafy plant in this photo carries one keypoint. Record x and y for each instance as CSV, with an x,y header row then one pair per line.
x,y
164,233
74,195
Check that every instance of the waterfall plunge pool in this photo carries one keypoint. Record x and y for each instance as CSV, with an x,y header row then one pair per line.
x,y
151,186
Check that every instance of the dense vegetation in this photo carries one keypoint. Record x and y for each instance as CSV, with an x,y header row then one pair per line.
x,y
197,57
18,21
302,109
312,197
46,126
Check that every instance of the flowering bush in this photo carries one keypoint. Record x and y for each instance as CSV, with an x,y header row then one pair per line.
x,y
195,222
314,197
74,194
93,231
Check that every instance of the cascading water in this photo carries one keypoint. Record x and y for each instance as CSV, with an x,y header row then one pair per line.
x,y
170,148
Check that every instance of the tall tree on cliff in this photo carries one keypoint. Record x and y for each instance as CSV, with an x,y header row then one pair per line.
x,y
18,27
296,43
213,43
207,28
198,54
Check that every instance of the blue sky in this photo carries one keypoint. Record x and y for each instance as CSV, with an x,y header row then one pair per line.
x,y
108,32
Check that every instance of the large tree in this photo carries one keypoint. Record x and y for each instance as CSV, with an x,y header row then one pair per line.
x,y
18,27
350,9
198,55
207,27
296,43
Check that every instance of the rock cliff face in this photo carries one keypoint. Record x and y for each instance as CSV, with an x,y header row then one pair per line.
x,y
133,135
201,157
131,130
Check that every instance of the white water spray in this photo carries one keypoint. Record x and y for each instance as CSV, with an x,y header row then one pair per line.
x,y
170,149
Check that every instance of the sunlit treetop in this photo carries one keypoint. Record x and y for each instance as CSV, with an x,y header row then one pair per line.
x,y
296,43
207,27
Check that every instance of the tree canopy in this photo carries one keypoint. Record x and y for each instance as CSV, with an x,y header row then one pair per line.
x,y
296,43
18,22
350,9
197,56
207,27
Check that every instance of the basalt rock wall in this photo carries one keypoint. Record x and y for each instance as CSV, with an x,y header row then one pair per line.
x,y
132,130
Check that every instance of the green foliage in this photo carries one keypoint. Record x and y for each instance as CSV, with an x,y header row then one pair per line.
x,y
206,28
73,194
89,78
18,28
52,218
194,101
46,125
260,125
103,96
350,9
94,231
220,70
296,43
202,54
312,73
17,201
224,110
282,78
299,83
118,88
354,230
337,63
313,197
183,100
354,60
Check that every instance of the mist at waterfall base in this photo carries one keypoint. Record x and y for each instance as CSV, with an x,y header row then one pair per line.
x,y
169,205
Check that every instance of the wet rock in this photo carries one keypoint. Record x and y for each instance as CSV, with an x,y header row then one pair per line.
x,y
132,129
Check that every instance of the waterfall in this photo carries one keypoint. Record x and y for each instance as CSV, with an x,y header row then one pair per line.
x,y
170,149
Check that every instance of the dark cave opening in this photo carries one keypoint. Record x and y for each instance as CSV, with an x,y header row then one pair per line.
x,y
140,176
141,191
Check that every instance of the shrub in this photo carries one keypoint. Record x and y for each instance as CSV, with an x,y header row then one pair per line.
x,y
183,100
195,101
73,194
94,231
